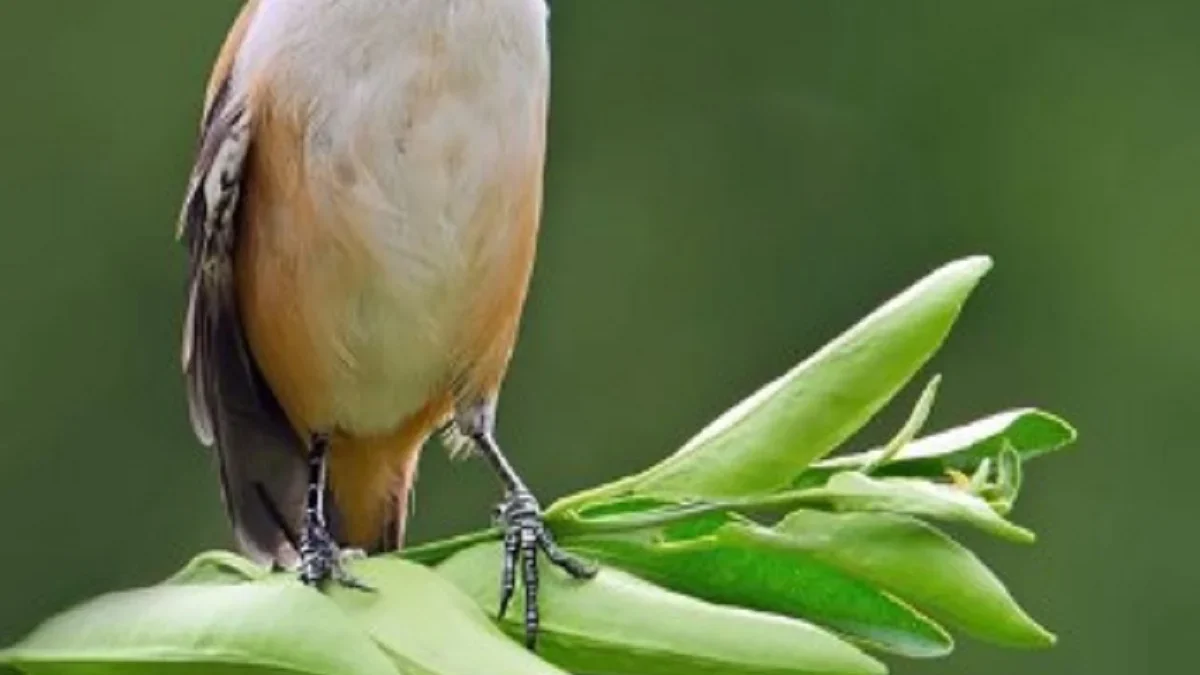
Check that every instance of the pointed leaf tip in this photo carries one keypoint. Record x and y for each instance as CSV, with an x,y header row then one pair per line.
x,y
760,444
921,565
742,564
1029,431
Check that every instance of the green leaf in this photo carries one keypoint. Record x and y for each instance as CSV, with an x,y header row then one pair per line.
x,y
1009,477
733,596
910,429
763,443
208,619
264,627
1031,433
921,565
617,624
428,626
745,565
853,491
219,567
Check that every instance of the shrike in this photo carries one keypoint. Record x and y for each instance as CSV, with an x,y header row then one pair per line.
x,y
362,221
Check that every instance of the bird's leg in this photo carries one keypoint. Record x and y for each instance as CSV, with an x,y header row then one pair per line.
x,y
320,557
525,532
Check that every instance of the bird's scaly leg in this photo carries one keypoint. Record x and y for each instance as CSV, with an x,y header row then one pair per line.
x,y
525,531
320,558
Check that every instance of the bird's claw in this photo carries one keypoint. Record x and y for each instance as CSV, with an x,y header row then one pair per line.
x,y
321,561
525,534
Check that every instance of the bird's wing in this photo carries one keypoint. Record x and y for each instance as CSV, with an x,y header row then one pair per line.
x,y
209,224
209,227
263,470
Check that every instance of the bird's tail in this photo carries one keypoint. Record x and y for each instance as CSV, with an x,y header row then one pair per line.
x,y
264,478
261,459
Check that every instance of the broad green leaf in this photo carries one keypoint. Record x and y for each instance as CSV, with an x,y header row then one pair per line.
x,y
219,567
920,564
764,442
617,624
207,619
745,565
428,626
101,668
1031,433
266,627
853,491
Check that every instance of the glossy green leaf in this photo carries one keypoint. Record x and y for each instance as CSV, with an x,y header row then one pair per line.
x,y
764,442
742,564
1031,433
920,564
427,626
853,491
617,624
265,627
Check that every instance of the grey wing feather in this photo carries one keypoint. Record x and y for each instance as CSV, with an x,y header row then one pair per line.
x,y
262,465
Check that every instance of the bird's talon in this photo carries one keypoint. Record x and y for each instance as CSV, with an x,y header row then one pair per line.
x,y
321,561
525,535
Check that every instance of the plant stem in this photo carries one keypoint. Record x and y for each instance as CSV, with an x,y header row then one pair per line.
x,y
576,526
437,551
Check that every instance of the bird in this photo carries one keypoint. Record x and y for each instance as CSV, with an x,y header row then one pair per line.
x,y
361,223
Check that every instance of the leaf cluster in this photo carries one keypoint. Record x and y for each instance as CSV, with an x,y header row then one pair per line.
x,y
748,551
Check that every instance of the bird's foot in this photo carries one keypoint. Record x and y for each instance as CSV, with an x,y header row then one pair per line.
x,y
321,560
525,534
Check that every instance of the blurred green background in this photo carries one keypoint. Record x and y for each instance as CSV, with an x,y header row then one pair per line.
x,y
731,184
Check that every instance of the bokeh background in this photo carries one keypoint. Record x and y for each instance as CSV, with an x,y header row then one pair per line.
x,y
731,184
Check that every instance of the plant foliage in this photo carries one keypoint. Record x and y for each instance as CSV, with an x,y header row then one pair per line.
x,y
746,552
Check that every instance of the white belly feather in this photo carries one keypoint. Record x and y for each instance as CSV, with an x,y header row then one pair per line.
x,y
418,109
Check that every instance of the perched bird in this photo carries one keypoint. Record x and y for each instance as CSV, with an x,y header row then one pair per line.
x,y
362,221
